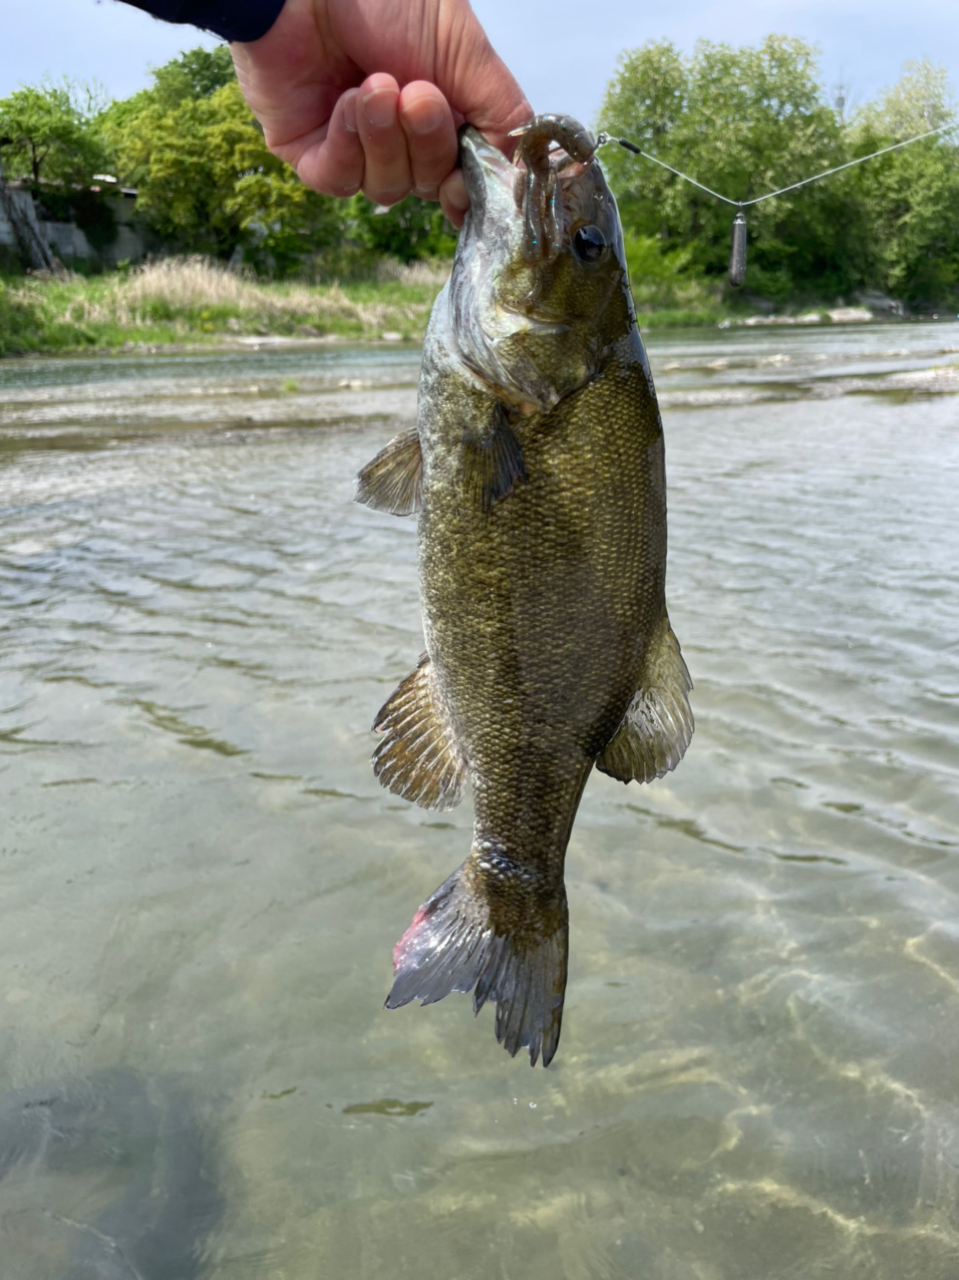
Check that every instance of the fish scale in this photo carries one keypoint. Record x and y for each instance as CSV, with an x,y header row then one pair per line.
x,y
538,467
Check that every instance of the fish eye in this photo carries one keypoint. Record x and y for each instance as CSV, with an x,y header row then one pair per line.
x,y
589,244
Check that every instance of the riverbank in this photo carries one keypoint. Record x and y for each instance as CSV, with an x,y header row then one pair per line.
x,y
192,301
180,302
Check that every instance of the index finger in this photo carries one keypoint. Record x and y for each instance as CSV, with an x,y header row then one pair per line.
x,y
336,165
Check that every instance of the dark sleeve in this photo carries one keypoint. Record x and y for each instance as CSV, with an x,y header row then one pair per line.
x,y
242,20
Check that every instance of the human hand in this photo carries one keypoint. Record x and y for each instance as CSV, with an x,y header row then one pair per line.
x,y
368,94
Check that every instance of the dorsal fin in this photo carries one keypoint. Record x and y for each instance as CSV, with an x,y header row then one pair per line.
x,y
658,724
393,481
419,757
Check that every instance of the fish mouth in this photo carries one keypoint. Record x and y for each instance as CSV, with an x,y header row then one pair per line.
x,y
493,294
477,155
535,184
502,295
490,179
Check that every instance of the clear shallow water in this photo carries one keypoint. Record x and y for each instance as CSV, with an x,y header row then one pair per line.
x,y
201,882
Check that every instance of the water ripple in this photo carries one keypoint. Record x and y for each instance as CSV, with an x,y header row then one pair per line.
x,y
201,879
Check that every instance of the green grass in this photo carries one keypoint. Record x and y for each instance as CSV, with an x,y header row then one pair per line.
x,y
191,300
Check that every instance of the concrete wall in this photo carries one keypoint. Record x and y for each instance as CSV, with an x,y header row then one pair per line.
x,y
7,239
23,230
67,240
24,203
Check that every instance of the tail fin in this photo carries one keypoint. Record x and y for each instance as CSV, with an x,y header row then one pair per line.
x,y
451,945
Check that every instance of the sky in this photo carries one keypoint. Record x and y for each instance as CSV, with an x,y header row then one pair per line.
x,y
563,62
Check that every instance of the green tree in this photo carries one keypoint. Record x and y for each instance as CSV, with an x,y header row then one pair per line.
x,y
743,122
51,135
195,74
282,222
410,230
175,156
205,179
919,100
911,196
198,73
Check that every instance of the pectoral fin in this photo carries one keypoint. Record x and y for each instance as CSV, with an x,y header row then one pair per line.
x,y
658,725
492,461
419,757
393,481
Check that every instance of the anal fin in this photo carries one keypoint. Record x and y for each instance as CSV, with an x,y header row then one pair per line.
x,y
493,463
393,481
418,757
658,724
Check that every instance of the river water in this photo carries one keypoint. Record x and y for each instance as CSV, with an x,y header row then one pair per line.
x,y
201,881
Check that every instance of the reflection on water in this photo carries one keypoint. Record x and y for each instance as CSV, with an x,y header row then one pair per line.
x,y
201,882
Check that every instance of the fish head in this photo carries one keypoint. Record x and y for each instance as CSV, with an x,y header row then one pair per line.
x,y
539,293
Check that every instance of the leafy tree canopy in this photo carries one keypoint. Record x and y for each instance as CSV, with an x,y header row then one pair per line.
x,y
743,122
207,182
205,179
409,230
52,134
753,120
911,196
920,100
195,74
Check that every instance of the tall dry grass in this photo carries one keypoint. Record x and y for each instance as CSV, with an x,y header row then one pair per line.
x,y
435,271
189,298
182,288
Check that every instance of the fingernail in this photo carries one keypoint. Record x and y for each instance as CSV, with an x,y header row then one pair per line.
x,y
427,193
380,109
456,193
349,112
427,116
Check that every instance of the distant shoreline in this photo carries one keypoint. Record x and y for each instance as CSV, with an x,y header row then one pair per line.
x,y
192,304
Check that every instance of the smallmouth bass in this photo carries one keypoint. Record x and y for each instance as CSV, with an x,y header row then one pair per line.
x,y
536,466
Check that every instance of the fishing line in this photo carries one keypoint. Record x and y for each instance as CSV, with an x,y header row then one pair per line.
x,y
737,257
